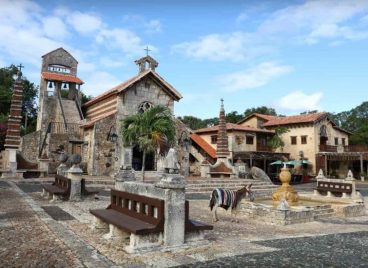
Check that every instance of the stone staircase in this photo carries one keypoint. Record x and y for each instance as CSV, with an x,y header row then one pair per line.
x,y
323,212
70,111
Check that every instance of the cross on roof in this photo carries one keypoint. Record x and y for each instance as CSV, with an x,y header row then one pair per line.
x,y
19,74
146,49
222,101
20,66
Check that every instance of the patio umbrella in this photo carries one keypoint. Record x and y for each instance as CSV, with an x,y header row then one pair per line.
x,y
278,162
298,162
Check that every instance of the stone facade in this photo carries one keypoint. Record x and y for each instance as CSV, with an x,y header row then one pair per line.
x,y
29,143
100,154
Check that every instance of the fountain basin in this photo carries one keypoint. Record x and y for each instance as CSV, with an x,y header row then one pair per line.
x,y
307,209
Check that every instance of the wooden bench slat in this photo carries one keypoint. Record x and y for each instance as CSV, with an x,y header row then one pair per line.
x,y
125,222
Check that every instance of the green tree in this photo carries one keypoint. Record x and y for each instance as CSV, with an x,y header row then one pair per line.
x,y
355,121
276,141
210,122
192,122
260,110
149,130
233,117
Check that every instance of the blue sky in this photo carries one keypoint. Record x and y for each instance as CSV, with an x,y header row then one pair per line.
x,y
290,55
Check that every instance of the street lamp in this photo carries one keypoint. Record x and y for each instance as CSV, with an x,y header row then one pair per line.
x,y
112,136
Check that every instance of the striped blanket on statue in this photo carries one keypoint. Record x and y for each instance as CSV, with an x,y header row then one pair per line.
x,y
225,198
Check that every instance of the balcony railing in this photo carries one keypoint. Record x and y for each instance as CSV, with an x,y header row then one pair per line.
x,y
71,128
327,148
356,148
263,148
346,148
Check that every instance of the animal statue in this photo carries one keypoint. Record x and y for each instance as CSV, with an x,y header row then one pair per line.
x,y
258,174
228,199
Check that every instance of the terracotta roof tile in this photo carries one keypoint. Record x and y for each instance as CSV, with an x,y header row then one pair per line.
x,y
231,126
61,77
204,145
295,119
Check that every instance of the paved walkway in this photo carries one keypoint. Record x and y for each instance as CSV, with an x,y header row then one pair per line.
x,y
30,237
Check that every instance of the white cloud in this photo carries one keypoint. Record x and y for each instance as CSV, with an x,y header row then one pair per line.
x,y
50,24
236,46
315,20
149,26
111,62
99,82
305,23
153,26
125,40
299,101
257,76
84,23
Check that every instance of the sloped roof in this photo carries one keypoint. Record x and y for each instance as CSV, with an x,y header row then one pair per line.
x,y
231,126
125,85
60,48
204,145
92,122
295,119
263,116
61,77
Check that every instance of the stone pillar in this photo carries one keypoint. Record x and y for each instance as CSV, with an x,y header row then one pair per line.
x,y
124,174
75,175
174,228
205,169
361,167
44,166
10,159
12,137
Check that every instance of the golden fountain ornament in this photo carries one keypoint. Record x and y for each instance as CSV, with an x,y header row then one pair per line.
x,y
285,191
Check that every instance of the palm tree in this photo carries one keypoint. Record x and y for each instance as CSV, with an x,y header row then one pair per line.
x,y
149,130
276,141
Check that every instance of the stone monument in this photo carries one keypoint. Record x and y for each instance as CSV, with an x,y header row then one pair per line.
x,y
285,191
75,175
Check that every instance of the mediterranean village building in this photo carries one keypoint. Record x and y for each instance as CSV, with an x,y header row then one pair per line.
x,y
62,127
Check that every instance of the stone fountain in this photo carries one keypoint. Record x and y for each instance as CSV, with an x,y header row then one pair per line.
x,y
285,191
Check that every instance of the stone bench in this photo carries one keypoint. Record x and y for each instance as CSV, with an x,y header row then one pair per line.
x,y
139,218
130,215
334,188
59,188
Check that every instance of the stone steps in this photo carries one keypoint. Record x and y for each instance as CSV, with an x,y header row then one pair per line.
x,y
71,111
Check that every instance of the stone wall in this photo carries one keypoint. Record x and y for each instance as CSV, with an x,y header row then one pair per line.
x,y
60,57
30,145
103,154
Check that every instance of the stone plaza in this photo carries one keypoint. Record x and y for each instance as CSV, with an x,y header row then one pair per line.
x,y
35,232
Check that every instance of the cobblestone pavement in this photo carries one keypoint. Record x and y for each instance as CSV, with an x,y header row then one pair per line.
x,y
336,250
337,242
25,240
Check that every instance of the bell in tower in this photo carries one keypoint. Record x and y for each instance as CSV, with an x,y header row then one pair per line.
x,y
146,63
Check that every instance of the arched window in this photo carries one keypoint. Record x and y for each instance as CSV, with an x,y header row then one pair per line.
x,y
144,106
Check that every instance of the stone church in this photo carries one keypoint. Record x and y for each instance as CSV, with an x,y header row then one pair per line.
x,y
61,126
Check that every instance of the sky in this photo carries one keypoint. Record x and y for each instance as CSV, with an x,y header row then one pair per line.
x,y
293,56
